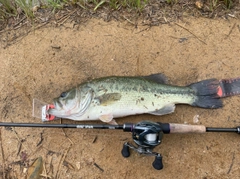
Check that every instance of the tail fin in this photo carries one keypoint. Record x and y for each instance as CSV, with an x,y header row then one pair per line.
x,y
229,87
206,92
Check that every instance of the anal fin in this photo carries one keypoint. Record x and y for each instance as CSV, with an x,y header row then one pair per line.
x,y
165,110
108,118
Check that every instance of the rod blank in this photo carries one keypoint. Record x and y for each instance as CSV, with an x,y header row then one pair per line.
x,y
80,126
213,129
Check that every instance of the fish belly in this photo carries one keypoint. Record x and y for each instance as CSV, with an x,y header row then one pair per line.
x,y
132,103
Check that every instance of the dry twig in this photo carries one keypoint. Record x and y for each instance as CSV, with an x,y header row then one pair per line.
x,y
129,21
231,30
230,168
191,33
61,21
96,165
44,174
64,133
3,158
61,162
15,25
20,142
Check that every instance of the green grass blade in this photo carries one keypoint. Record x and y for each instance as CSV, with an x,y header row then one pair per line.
x,y
26,7
8,6
99,4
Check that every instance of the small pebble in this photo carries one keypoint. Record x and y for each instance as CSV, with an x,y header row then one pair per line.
x,y
196,118
78,165
199,4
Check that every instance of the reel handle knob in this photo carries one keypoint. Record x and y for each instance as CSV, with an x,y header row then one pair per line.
x,y
125,150
157,164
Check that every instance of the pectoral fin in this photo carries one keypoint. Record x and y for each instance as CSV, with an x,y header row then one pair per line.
x,y
165,110
109,98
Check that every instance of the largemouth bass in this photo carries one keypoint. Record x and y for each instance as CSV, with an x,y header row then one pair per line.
x,y
112,97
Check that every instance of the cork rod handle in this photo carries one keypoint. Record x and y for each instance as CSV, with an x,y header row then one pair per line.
x,y
186,128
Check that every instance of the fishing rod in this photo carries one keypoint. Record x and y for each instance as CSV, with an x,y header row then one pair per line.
x,y
146,134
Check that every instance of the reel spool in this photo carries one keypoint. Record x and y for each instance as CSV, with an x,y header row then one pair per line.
x,y
146,136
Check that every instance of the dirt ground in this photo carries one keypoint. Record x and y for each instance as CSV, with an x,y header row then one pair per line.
x,y
51,59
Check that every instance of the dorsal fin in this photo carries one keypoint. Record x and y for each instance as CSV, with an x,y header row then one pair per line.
x,y
158,78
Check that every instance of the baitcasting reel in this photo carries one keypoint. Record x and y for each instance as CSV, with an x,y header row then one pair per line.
x,y
146,135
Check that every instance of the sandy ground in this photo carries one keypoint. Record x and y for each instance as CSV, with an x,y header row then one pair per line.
x,y
50,60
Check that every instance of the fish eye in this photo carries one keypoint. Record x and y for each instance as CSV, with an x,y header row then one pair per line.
x,y
64,94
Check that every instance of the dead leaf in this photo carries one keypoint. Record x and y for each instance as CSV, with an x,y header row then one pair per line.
x,y
35,170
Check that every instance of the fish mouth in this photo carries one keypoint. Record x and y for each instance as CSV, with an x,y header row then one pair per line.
x,y
57,111
57,107
57,104
60,109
